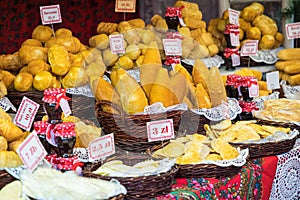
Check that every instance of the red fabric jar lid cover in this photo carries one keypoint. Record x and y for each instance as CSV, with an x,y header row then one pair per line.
x,y
41,127
53,95
65,129
174,12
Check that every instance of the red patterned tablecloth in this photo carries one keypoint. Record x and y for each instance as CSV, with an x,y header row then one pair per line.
x,y
272,177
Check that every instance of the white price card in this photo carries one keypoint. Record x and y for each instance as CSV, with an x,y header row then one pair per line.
x,y
160,130
26,113
236,60
102,147
273,80
226,110
235,39
172,47
65,107
253,89
117,44
50,14
31,151
125,6
249,48
233,16
292,30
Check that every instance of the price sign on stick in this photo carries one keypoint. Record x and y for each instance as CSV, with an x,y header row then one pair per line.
x,y
160,130
102,147
292,30
273,80
116,44
172,47
125,6
233,16
26,113
50,14
31,151
249,48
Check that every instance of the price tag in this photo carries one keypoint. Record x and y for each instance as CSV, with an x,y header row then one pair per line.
x,y
117,44
102,147
292,30
273,80
249,48
226,110
160,130
172,47
125,6
26,113
253,89
65,107
235,39
236,61
233,16
31,151
50,14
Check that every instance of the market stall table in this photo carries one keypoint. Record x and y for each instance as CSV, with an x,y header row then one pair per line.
x,y
272,177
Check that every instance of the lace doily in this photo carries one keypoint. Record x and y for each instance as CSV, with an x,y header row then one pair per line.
x,y
5,104
266,56
209,62
217,113
83,90
82,153
286,184
260,100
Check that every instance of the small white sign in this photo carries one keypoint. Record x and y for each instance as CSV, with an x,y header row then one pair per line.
x,y
253,89
125,6
273,80
233,16
292,30
249,48
235,39
117,44
26,113
172,47
236,61
50,14
31,151
65,107
160,130
102,147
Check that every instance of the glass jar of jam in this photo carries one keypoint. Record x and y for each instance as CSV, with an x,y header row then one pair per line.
x,y
230,28
65,138
246,83
247,110
232,86
172,18
41,128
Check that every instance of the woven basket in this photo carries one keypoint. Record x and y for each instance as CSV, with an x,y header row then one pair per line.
x,y
5,178
81,106
269,148
200,170
130,131
143,187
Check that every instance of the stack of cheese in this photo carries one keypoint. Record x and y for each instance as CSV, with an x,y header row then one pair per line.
x,y
289,65
253,25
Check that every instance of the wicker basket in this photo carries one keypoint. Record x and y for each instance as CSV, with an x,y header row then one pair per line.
x,y
5,178
191,123
143,187
130,131
269,148
81,106
200,170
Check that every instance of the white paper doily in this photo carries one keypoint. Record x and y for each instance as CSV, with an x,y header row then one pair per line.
x,y
266,56
260,100
217,113
83,90
209,62
290,92
286,184
5,104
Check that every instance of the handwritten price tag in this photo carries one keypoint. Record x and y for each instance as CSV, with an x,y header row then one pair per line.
x,y
26,113
31,152
233,16
273,80
116,43
236,60
172,47
50,14
292,30
102,147
160,130
253,89
125,6
249,48
235,39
